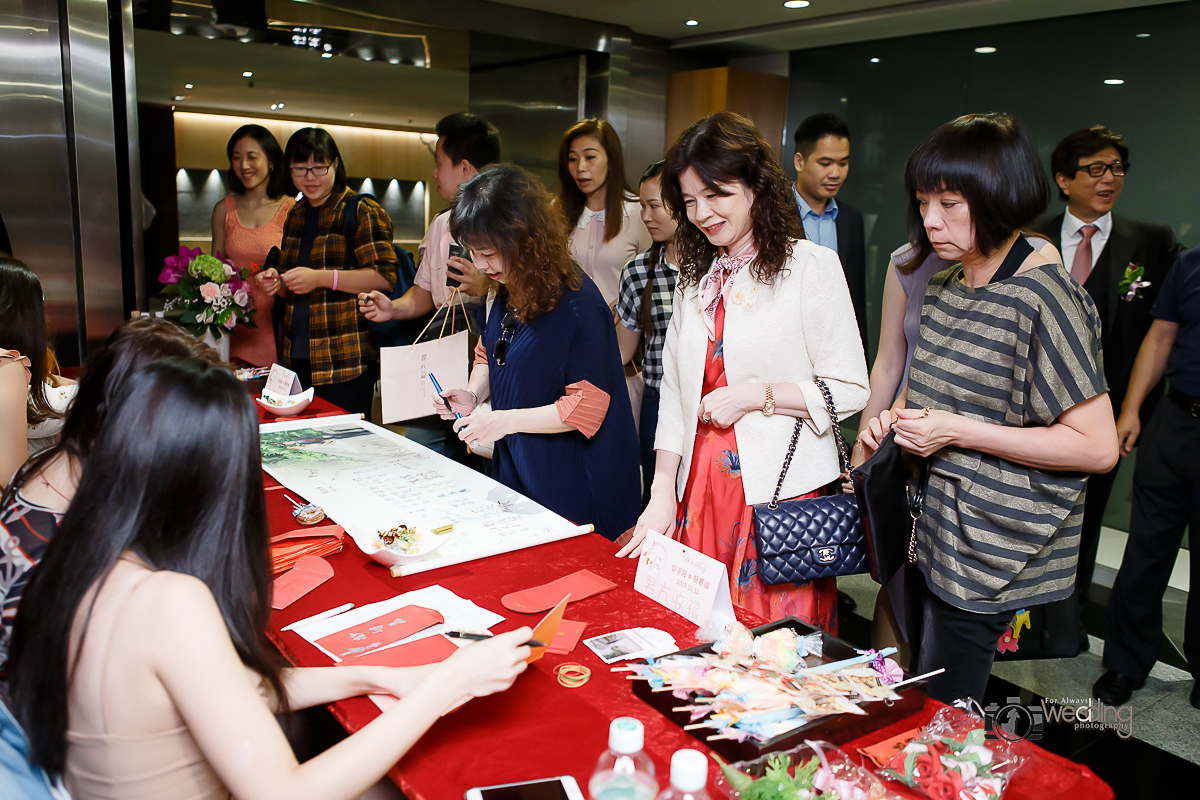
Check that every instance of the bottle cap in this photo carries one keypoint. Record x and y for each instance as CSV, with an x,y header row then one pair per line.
x,y
626,735
689,770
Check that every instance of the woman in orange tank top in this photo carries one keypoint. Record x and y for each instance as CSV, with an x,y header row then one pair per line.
x,y
139,663
248,223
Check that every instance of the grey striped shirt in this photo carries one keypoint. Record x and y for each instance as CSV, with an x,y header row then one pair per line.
x,y
997,535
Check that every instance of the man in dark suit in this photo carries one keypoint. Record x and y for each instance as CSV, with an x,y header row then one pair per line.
x,y
822,145
1103,251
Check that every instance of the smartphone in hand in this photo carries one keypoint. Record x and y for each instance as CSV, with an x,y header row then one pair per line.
x,y
457,251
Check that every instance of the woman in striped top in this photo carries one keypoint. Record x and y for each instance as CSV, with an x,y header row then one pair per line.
x,y
1005,396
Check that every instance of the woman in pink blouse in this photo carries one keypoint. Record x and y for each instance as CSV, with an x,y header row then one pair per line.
x,y
248,223
606,227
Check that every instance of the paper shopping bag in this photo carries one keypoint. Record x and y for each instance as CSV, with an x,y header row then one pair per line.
x,y
406,390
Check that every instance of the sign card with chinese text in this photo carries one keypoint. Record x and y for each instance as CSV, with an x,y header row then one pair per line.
x,y
282,382
686,581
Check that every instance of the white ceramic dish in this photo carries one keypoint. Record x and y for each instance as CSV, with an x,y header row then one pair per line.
x,y
390,558
286,406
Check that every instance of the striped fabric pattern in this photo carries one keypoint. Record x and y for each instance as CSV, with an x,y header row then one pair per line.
x,y
997,535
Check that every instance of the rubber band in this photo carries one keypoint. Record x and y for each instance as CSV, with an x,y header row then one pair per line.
x,y
572,675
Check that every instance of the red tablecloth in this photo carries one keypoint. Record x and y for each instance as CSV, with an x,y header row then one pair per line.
x,y
317,408
538,728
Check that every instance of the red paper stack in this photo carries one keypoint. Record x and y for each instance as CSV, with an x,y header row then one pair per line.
x,y
288,548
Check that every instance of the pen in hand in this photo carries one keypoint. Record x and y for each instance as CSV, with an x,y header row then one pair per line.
x,y
479,637
438,387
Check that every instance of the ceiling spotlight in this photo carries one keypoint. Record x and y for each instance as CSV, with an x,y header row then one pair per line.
x,y
189,86
327,47
874,60
1114,81
985,50
274,106
796,4
692,23
281,105
179,97
326,55
247,74
1143,36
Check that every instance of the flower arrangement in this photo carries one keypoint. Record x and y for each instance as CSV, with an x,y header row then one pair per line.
x,y
812,771
1132,282
212,293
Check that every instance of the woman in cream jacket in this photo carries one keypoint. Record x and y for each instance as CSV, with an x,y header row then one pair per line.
x,y
759,313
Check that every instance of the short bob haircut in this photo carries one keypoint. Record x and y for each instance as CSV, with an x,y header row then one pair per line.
x,y
725,148
507,208
616,191
279,179
991,160
315,143
23,329
469,137
149,489
1081,144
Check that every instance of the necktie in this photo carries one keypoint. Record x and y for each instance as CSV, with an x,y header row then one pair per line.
x,y
1081,267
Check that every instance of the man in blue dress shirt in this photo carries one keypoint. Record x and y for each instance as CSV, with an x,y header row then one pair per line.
x,y
822,144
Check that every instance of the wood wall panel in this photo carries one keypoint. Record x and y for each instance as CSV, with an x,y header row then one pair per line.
x,y
694,94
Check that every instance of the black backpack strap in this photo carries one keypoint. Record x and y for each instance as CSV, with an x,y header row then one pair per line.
x,y
350,227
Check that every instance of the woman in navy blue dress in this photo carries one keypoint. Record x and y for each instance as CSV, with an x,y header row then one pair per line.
x,y
548,360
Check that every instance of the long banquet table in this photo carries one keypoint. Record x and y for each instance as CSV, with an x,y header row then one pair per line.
x,y
539,728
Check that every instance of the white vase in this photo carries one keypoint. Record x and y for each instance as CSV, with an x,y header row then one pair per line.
x,y
220,345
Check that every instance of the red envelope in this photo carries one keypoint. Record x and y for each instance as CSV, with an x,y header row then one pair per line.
x,y
309,573
547,629
429,650
288,548
579,585
384,629
569,631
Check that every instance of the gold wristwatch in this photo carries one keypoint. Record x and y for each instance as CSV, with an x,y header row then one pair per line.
x,y
769,404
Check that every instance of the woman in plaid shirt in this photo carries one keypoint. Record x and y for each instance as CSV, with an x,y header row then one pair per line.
x,y
325,340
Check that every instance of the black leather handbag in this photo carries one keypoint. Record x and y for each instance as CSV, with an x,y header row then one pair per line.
x,y
890,489
816,537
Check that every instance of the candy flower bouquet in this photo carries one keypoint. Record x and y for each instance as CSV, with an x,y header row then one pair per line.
x,y
212,294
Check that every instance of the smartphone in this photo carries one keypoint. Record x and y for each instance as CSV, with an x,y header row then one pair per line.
x,y
457,251
563,787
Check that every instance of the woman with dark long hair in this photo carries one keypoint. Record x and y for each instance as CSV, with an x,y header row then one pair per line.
x,y
140,665
39,493
601,209
761,313
547,358
1005,397
323,268
24,363
249,222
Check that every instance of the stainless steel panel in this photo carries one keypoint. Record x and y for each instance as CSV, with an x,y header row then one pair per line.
x,y
34,165
91,126
135,159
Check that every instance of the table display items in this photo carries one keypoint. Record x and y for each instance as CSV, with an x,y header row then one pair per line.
x,y
952,757
212,295
624,771
689,777
772,688
812,771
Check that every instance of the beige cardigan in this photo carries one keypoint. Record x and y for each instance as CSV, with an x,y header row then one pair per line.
x,y
803,326
604,263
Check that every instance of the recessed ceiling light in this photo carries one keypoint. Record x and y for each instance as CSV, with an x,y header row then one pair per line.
x,y
179,97
281,105
796,4
1114,81
874,60
189,86
985,50
326,55
692,23
274,106
247,74
1143,36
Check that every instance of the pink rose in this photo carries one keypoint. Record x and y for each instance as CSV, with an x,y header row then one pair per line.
x,y
229,323
228,270
241,297
210,292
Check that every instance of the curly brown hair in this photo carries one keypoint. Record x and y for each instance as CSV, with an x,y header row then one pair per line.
x,y
508,209
725,148
616,191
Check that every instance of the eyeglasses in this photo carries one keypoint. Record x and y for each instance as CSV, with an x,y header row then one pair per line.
x,y
508,326
1098,168
320,171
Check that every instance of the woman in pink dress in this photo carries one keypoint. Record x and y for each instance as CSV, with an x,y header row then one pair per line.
x,y
760,314
248,223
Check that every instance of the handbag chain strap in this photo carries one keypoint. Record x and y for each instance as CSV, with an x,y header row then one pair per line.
x,y
837,435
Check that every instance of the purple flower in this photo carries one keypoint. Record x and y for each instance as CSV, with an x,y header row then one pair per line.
x,y
175,266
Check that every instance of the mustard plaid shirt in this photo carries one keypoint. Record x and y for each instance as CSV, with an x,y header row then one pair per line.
x,y
339,343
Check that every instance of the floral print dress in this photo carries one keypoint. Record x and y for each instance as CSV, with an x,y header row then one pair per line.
x,y
715,520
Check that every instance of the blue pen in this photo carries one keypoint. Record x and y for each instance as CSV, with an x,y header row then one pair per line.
x,y
438,386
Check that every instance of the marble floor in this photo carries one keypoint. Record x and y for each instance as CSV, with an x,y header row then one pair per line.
x,y
1159,750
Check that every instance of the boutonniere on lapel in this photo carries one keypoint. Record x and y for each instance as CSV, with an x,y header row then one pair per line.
x,y
1131,283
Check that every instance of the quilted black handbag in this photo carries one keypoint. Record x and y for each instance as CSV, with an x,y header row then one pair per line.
x,y
890,488
816,537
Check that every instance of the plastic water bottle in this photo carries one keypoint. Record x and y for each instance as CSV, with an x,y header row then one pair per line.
x,y
624,771
689,777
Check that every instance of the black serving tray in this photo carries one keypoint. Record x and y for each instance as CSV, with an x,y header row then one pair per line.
x,y
837,729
